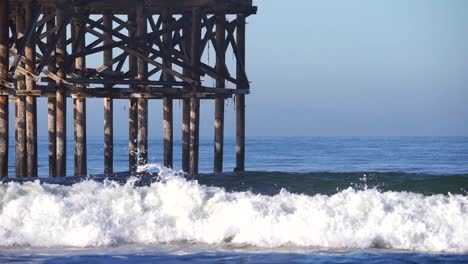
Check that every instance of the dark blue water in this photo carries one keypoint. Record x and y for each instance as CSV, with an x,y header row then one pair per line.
x,y
431,155
352,185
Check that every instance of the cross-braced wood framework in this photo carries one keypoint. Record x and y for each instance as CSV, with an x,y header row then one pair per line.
x,y
149,49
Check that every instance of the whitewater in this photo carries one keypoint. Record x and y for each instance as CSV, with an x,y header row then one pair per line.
x,y
175,209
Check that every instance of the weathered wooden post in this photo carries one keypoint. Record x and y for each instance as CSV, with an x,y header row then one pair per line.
x,y
240,98
220,83
4,43
187,36
79,103
108,102
61,98
20,120
194,100
51,102
31,107
167,101
133,102
141,27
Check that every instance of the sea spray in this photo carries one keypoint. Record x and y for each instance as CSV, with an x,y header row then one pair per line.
x,y
173,209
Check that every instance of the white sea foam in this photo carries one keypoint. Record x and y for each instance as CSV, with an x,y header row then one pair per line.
x,y
91,214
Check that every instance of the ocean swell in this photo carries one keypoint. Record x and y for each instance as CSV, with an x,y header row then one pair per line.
x,y
173,209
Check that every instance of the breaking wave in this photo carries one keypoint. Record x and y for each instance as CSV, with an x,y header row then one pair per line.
x,y
174,209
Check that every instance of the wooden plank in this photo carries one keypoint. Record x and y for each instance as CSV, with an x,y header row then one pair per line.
x,y
45,18
240,99
166,18
79,104
132,109
153,36
122,23
195,102
179,7
108,105
61,100
52,43
125,82
220,83
137,54
51,102
4,43
31,21
102,92
123,37
31,107
141,28
230,39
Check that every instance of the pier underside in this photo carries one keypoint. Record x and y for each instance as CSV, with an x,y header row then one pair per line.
x,y
152,49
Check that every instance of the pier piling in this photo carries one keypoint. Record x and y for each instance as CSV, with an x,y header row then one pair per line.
x,y
141,28
61,97
79,103
51,101
242,83
166,18
133,102
186,49
4,44
20,116
194,100
220,83
108,101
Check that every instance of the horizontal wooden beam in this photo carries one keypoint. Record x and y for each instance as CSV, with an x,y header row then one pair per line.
x,y
123,82
115,93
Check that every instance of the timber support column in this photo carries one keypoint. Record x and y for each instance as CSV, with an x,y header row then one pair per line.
x,y
61,98
141,27
20,120
194,100
79,103
240,98
108,102
167,101
187,36
31,107
220,83
52,103
133,104
4,51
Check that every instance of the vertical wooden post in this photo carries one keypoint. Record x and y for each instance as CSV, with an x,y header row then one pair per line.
x,y
187,35
61,114
133,105
79,103
141,26
240,98
4,42
20,121
220,83
31,107
167,101
194,100
108,103
51,105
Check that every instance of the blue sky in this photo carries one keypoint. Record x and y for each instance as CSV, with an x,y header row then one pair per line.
x,y
340,68
368,67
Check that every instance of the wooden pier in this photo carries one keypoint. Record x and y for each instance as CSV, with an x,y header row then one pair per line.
x,y
150,49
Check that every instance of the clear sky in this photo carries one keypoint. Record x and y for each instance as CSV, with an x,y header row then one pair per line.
x,y
367,67
346,68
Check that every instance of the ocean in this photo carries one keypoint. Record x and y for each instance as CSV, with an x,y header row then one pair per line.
x,y
302,200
